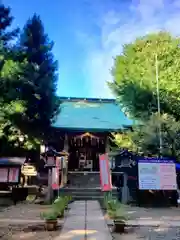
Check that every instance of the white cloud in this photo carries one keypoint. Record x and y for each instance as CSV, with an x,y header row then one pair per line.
x,y
119,26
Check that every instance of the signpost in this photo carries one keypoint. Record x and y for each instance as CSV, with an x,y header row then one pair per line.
x,y
29,170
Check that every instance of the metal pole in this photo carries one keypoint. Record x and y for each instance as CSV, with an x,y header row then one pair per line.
x,y
158,104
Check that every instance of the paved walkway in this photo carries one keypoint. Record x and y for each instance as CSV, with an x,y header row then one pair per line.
x,y
85,221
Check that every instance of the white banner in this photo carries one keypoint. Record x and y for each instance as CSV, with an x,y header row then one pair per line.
x,y
55,178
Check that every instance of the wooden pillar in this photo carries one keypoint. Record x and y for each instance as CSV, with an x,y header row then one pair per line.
x,y
65,170
26,180
107,151
125,190
107,147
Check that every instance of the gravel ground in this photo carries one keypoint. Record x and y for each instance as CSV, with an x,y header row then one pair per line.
x,y
27,232
149,233
23,211
32,230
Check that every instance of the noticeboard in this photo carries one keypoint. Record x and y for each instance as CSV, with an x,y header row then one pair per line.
x,y
14,174
10,175
157,174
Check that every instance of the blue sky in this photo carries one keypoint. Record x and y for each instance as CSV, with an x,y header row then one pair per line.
x,y
89,33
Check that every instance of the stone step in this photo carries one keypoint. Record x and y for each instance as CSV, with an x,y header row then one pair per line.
x,y
89,193
75,197
86,193
86,188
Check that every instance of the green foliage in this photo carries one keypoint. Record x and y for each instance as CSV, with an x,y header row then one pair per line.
x,y
6,21
41,71
115,210
125,141
28,77
134,75
57,208
60,204
146,136
51,215
11,106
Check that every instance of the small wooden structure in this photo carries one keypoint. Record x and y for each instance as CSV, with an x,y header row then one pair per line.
x,y
10,171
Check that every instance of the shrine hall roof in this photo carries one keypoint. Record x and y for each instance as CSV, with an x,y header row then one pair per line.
x,y
90,114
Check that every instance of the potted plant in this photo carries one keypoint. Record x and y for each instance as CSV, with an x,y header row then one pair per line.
x,y
111,206
119,223
119,220
50,220
70,199
115,212
59,206
66,202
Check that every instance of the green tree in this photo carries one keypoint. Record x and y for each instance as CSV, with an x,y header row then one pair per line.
x,y
5,22
10,106
28,77
40,73
124,140
134,74
145,138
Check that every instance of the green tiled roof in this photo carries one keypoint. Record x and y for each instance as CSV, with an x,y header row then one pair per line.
x,y
90,114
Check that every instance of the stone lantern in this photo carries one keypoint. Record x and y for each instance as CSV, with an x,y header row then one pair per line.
x,y
56,162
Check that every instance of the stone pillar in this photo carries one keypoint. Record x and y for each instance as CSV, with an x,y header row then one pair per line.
x,y
125,190
50,191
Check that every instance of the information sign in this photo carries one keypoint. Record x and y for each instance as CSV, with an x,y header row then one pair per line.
x,y
157,174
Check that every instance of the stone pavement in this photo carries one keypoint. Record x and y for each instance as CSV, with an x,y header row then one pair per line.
x,y
85,221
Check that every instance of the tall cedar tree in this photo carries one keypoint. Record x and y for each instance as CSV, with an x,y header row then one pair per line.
x,y
5,22
41,71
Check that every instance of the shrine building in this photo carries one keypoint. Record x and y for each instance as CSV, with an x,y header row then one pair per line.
x,y
82,129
